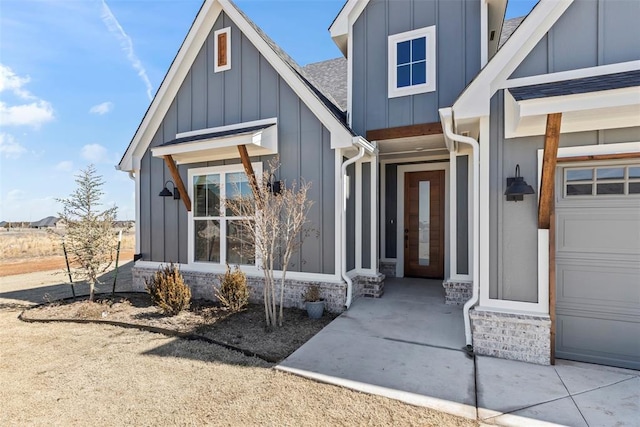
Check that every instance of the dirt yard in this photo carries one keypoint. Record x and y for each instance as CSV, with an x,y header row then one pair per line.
x,y
73,374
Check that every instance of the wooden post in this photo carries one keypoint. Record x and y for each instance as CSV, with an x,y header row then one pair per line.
x,y
248,169
550,158
184,195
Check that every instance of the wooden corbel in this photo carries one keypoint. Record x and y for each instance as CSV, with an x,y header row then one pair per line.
x,y
177,179
549,161
248,169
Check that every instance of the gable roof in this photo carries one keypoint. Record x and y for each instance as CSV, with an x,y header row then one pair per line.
x,y
331,78
49,221
474,100
329,114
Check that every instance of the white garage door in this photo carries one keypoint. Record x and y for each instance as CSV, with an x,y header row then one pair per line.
x,y
598,263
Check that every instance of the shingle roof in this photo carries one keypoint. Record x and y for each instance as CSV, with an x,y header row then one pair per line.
x,y
49,221
329,103
508,27
331,78
577,86
220,134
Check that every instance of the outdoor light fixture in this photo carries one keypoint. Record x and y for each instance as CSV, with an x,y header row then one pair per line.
x,y
167,193
273,185
517,187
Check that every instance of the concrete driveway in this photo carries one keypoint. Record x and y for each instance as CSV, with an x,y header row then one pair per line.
x,y
408,344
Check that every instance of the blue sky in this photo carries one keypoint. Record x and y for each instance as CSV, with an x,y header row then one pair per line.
x,y
76,77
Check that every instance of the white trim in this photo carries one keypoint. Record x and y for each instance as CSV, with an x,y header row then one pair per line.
x,y
270,121
599,110
402,169
483,233
257,167
218,68
200,30
375,241
474,101
453,212
358,218
579,73
337,211
138,217
249,270
340,29
392,41
258,143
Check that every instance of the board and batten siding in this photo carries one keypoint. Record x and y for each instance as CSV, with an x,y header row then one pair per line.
x,y
457,60
250,90
588,34
513,226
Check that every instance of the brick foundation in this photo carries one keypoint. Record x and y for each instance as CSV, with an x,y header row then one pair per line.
x,y
388,268
457,293
201,285
368,286
526,338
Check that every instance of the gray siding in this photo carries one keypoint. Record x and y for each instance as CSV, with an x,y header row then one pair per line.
x,y
251,90
462,214
390,211
589,33
458,59
513,225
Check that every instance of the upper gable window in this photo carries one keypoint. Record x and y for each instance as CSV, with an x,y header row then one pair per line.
x,y
222,50
412,62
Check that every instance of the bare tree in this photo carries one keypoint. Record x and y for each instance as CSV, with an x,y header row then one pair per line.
x,y
274,226
90,236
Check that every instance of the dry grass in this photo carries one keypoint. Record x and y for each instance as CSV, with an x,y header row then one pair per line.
x,y
26,243
68,374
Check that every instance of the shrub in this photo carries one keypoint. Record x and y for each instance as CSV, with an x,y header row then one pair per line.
x,y
168,290
233,292
312,294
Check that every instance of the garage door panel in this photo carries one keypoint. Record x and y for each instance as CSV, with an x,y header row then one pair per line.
x,y
604,286
592,232
610,342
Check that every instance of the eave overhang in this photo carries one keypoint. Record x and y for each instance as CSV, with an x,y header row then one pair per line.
x,y
260,138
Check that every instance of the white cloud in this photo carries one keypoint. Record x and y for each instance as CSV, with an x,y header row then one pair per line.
x,y
126,43
13,82
15,195
34,114
65,166
101,109
95,153
9,148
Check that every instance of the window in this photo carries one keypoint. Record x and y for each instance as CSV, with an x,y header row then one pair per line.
x,y
222,50
412,62
216,236
613,180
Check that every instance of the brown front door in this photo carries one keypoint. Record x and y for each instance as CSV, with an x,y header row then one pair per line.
x,y
424,224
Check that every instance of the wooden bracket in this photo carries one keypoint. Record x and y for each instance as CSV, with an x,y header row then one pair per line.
x,y
177,179
248,169
550,158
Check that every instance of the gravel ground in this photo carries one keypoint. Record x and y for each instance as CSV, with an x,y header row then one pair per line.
x,y
70,374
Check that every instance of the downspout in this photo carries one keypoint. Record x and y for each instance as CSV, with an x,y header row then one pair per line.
x,y
446,117
343,225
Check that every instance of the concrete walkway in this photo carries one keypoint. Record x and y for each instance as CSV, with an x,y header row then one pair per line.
x,y
407,346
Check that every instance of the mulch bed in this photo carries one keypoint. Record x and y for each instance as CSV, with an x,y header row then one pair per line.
x,y
243,331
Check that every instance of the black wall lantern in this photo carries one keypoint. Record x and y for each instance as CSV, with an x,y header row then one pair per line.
x,y
517,187
167,193
274,186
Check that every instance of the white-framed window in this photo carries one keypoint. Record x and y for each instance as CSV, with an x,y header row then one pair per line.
x,y
215,235
412,62
222,50
599,181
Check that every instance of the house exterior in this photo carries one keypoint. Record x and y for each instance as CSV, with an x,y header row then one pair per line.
x,y
48,222
409,142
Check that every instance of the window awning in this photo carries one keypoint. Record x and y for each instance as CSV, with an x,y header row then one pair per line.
x,y
220,143
590,103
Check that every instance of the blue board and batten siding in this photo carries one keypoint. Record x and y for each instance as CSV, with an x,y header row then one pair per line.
x,y
250,90
458,60
590,33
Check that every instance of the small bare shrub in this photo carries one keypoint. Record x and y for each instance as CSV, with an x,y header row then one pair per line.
x,y
92,310
233,292
168,290
312,294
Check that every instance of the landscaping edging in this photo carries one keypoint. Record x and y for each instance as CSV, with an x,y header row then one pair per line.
x,y
146,328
